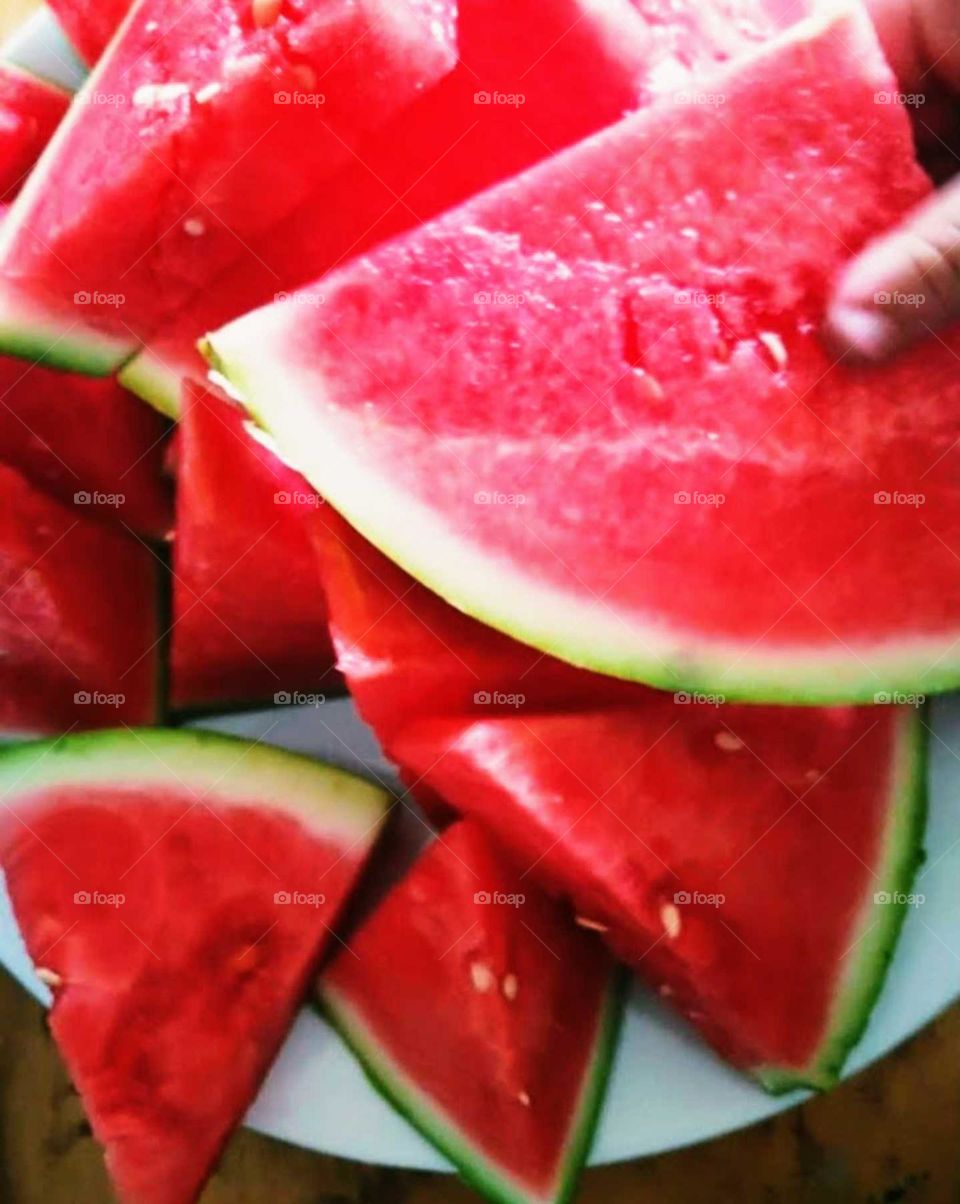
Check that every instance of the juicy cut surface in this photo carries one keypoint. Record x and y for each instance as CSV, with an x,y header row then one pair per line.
x,y
728,854
200,127
494,981
601,388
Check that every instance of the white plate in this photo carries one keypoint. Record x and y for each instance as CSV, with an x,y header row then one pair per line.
x,y
668,1090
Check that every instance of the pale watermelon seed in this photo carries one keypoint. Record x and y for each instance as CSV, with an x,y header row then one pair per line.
x,y
775,349
671,921
591,925
482,977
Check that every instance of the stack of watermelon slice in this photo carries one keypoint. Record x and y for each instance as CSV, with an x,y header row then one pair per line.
x,y
532,443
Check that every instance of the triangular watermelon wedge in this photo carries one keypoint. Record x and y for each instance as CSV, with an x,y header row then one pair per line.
x,y
249,617
199,128
175,890
591,407
753,864
577,65
485,1015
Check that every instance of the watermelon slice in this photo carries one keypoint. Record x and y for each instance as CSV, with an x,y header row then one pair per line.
x,y
200,109
90,24
632,452
576,67
175,890
764,930
79,618
87,442
249,619
493,1032
30,111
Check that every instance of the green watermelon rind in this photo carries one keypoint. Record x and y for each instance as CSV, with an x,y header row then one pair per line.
x,y
28,74
473,1167
154,382
30,329
500,596
866,973
224,770
56,337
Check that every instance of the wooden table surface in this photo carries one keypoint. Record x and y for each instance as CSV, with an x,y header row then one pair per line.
x,y
891,1135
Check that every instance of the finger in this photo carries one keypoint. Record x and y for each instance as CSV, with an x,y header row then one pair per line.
x,y
921,39
903,286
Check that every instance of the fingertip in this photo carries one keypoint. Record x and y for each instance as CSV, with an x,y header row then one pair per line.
x,y
861,332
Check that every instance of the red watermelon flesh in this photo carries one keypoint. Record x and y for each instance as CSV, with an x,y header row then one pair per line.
x,y
772,928
201,127
596,785
87,442
493,1027
591,407
533,77
30,111
249,617
175,890
409,656
90,24
79,622
691,38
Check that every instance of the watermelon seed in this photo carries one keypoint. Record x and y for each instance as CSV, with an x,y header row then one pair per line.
x,y
652,386
50,977
510,987
671,921
728,741
775,349
591,925
207,93
482,977
524,1099
194,227
151,95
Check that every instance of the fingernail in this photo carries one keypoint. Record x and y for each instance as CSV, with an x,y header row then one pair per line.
x,y
866,333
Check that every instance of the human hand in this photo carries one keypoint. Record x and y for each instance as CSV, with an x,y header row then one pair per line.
x,y
921,258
